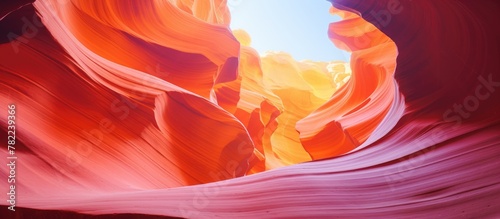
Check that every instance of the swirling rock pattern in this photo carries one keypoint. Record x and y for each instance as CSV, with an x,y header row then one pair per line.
x,y
157,108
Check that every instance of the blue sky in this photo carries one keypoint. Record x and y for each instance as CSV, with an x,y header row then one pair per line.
x,y
298,27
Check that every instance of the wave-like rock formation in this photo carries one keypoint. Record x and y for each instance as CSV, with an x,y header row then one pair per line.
x,y
157,108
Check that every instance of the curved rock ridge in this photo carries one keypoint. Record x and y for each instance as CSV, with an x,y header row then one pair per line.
x,y
158,108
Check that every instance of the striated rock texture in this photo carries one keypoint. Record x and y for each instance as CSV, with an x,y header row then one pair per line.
x,y
156,108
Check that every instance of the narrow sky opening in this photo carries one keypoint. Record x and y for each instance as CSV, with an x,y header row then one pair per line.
x,y
298,27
